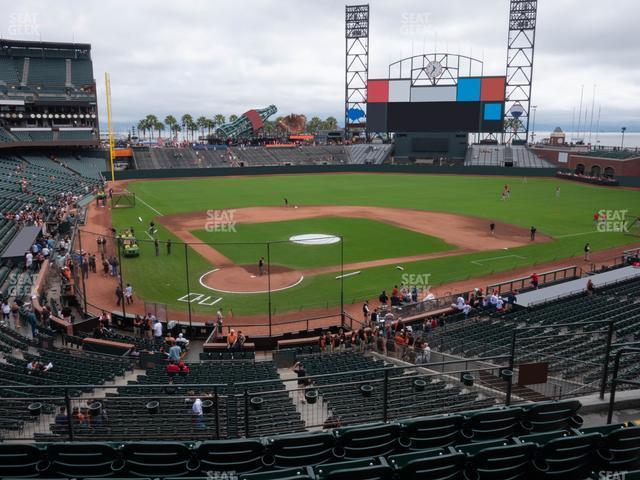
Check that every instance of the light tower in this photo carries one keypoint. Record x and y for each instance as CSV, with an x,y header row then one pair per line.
x,y
520,50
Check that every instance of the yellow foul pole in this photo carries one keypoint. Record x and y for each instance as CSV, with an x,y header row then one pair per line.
x,y
107,85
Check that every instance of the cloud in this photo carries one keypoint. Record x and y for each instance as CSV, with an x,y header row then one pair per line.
x,y
207,57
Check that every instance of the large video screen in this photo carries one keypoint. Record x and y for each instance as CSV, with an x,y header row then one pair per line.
x,y
475,104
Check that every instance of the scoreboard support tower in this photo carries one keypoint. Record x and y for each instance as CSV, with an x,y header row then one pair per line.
x,y
520,50
356,67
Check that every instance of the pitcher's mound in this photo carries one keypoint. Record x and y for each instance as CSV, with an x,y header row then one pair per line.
x,y
247,279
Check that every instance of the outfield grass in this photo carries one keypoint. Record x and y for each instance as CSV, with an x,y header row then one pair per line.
x,y
364,240
567,218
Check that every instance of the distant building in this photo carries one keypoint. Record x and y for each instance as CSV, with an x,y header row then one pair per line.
x,y
557,137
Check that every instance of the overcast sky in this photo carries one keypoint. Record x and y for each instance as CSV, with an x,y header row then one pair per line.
x,y
208,57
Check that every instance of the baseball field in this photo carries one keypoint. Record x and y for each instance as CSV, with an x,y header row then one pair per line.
x,y
378,230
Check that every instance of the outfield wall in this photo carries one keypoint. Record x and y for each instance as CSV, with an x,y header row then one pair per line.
x,y
303,169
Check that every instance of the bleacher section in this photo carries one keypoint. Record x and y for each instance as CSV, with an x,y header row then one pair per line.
x,y
45,87
543,440
369,154
278,413
497,155
575,353
155,158
347,402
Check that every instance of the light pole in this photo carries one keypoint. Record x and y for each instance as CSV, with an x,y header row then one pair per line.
x,y
623,129
533,129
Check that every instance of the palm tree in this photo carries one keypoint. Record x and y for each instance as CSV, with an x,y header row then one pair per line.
x,y
314,125
202,124
219,119
330,123
152,121
186,120
142,127
233,118
171,122
211,124
160,128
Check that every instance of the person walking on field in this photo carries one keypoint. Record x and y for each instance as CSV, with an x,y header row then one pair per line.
x,y
533,233
492,228
169,247
128,294
261,266
156,244
587,252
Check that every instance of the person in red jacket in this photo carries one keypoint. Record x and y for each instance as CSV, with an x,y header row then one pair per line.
x,y
172,370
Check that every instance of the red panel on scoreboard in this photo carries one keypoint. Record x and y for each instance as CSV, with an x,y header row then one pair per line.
x,y
378,91
492,89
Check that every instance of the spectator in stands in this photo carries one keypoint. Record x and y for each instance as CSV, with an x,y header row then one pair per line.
x,y
395,296
591,288
182,342
241,340
78,418
175,352
300,371
61,418
157,333
461,305
6,310
383,298
28,261
197,414
33,323
172,370
183,369
232,340
137,326
535,280
373,318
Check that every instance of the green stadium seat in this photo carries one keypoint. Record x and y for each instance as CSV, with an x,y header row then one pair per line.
x,y
430,432
242,456
550,416
20,460
82,459
156,459
304,473
359,442
564,454
499,460
495,424
299,450
433,464
364,469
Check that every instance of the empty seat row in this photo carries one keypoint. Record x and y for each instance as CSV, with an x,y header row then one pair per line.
x,y
562,454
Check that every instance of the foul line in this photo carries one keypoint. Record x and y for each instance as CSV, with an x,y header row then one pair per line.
x,y
576,234
480,262
346,275
145,203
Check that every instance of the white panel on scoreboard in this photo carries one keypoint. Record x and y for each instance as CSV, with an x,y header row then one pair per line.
x,y
434,94
399,90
